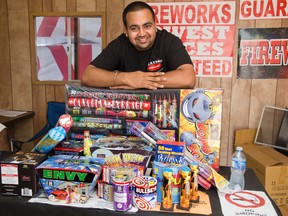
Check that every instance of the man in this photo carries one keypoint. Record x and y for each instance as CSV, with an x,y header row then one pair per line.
x,y
142,57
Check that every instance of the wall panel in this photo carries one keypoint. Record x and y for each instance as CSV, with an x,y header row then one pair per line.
x,y
86,5
20,64
71,5
114,19
5,71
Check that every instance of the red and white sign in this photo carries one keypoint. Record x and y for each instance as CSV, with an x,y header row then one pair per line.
x,y
263,53
245,199
207,31
253,203
263,9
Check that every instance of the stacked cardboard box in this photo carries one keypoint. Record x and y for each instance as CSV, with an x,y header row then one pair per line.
x,y
270,166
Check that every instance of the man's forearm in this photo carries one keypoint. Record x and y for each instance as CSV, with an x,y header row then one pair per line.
x,y
97,77
183,77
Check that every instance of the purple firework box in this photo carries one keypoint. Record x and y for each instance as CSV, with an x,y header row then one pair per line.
x,y
128,150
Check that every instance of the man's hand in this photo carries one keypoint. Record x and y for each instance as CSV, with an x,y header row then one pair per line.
x,y
139,79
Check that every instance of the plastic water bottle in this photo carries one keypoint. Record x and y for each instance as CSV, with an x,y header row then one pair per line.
x,y
238,168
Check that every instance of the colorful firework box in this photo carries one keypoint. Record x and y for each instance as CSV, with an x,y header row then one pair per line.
x,y
170,152
122,150
18,174
185,113
130,170
69,147
69,179
200,123
111,112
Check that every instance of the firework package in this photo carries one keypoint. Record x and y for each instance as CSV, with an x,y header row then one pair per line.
x,y
200,124
192,116
108,138
18,175
69,178
106,112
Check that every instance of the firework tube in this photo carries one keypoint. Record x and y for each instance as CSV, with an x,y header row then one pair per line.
x,y
219,181
127,113
202,172
65,121
206,175
159,113
137,129
194,193
87,143
50,140
155,105
79,136
174,109
110,104
97,125
164,112
155,132
107,95
167,188
169,115
96,120
185,187
122,193
205,184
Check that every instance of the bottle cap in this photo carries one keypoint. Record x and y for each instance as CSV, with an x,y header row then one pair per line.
x,y
239,148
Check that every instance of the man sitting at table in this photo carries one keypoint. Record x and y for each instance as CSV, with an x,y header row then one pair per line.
x,y
142,57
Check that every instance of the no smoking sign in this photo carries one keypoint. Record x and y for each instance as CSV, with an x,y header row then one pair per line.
x,y
245,199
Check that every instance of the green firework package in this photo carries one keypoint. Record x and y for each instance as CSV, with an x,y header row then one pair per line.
x,y
69,179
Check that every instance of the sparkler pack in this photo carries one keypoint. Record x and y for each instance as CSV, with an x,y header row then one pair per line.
x,y
192,116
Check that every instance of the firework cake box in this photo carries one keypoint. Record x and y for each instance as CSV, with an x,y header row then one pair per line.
x,y
200,123
18,173
121,149
69,178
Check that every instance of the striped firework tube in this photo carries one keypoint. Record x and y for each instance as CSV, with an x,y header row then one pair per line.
x,y
97,125
110,104
109,95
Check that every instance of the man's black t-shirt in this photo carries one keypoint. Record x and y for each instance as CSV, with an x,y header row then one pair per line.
x,y
167,54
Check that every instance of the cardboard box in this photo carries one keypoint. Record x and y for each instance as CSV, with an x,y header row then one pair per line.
x,y
68,178
18,174
270,166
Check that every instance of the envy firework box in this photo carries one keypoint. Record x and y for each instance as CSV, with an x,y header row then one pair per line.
x,y
68,178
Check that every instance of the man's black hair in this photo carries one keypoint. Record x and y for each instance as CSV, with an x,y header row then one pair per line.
x,y
136,6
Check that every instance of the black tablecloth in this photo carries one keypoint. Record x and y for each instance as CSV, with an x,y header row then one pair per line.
x,y
10,206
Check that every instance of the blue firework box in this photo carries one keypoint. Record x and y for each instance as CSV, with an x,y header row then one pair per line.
x,y
59,175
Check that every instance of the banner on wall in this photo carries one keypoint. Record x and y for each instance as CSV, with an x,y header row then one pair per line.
x,y
263,53
263,9
207,31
